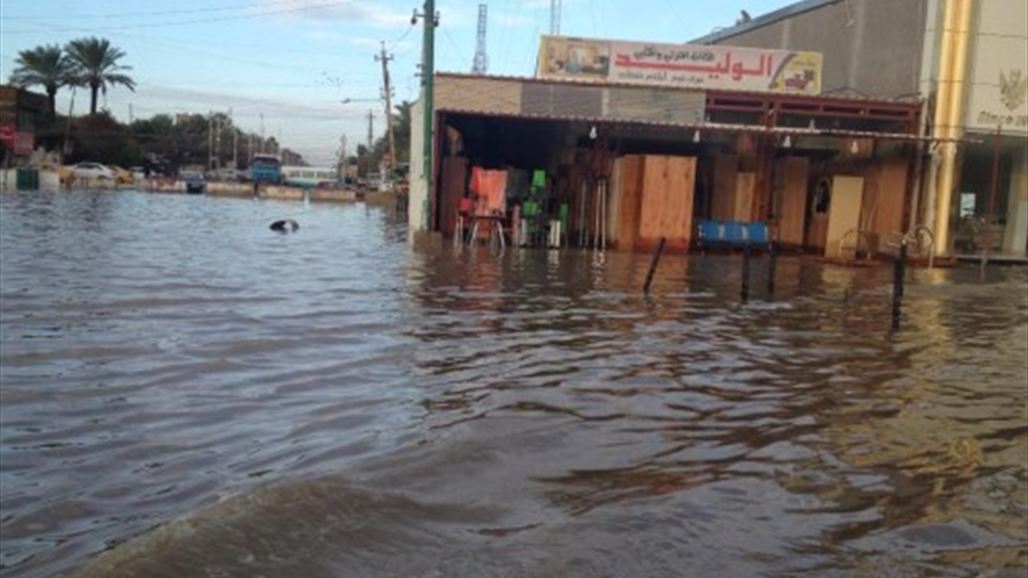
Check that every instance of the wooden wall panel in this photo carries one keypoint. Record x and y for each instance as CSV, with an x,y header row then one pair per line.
x,y
844,212
723,201
454,173
630,199
655,192
745,183
682,171
889,192
667,201
791,174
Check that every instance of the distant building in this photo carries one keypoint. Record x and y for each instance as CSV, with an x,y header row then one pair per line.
x,y
22,116
292,158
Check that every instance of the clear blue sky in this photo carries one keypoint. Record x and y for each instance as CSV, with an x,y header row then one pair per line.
x,y
294,60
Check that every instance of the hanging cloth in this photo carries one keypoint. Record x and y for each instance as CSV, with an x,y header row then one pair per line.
x,y
539,179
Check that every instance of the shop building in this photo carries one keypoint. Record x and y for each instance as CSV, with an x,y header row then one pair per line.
x,y
626,143
967,62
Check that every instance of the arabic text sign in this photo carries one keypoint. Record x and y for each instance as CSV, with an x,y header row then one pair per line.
x,y
681,65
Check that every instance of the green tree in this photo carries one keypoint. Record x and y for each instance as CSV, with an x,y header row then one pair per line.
x,y
46,66
96,66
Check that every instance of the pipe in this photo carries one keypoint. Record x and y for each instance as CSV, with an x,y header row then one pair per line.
x,y
942,94
953,125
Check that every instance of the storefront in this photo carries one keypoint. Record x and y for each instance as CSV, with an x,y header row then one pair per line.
x,y
967,60
620,166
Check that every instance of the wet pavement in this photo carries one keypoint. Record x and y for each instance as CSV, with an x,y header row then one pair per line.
x,y
186,393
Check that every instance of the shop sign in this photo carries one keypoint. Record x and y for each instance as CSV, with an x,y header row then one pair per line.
x,y
23,143
680,65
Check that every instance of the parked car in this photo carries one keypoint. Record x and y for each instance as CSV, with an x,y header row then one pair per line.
x,y
123,176
195,183
92,171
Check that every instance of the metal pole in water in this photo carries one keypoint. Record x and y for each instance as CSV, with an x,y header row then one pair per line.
x,y
898,276
653,266
745,292
771,265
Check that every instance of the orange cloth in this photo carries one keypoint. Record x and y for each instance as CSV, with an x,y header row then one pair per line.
x,y
491,188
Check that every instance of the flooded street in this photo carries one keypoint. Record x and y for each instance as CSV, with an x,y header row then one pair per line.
x,y
186,393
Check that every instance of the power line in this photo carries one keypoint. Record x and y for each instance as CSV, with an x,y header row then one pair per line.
x,y
187,22
271,3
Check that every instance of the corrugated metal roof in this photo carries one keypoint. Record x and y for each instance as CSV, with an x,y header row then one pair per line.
x,y
761,21
711,126
561,81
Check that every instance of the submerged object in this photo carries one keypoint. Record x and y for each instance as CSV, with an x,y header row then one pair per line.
x,y
285,226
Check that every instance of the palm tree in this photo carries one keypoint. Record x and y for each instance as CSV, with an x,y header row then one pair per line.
x,y
96,66
45,65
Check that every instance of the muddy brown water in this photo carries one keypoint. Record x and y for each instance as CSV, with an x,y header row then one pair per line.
x,y
186,393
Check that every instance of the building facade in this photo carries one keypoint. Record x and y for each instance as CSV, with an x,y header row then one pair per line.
x,y
622,165
966,61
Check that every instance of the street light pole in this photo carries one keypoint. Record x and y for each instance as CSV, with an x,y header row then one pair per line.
x,y
430,20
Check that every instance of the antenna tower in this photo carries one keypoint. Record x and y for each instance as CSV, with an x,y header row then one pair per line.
x,y
481,60
554,17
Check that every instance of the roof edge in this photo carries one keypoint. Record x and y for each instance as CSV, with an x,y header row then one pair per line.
x,y
764,20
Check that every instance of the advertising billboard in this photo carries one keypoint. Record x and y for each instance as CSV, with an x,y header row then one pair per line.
x,y
680,65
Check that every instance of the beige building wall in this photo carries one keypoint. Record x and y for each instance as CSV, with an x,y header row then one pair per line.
x,y
870,46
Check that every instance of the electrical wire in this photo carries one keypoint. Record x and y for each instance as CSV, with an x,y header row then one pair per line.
x,y
267,4
188,22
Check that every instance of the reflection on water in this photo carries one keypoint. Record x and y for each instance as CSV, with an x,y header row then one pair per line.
x,y
184,390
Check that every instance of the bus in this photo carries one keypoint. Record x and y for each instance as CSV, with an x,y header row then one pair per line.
x,y
308,177
266,168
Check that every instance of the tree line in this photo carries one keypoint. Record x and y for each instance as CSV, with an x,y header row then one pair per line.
x,y
175,141
86,62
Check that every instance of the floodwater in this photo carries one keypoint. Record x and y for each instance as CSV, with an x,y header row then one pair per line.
x,y
186,393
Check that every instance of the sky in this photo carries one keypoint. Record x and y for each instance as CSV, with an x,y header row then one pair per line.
x,y
294,61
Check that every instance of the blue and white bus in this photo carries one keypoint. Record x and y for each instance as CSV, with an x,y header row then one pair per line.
x,y
308,177
266,168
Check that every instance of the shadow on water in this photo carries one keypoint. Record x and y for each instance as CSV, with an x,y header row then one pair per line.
x,y
194,395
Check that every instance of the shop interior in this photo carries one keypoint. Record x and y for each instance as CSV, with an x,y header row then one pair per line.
x,y
545,182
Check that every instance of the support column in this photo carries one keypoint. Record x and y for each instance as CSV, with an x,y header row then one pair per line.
x,y
952,84
1015,234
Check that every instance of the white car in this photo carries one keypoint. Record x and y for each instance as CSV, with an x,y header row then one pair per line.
x,y
92,171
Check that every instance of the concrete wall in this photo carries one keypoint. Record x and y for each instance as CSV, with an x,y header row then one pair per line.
x,y
1015,235
416,216
873,46
239,190
482,94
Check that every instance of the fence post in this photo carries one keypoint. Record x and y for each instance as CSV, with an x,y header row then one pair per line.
x,y
745,292
898,276
653,266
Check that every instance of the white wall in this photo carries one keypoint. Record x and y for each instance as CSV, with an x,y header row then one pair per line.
x,y
417,200
1015,234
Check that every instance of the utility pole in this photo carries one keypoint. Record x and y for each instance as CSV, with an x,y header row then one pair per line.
x,y
371,130
262,132
210,140
387,93
249,149
131,120
342,158
218,128
430,20
235,141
